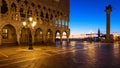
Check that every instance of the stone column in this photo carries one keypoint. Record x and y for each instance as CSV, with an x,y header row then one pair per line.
x,y
44,37
108,10
18,38
44,17
33,12
53,38
60,23
0,37
26,14
57,23
108,26
49,19
67,24
64,23
68,38
9,12
18,13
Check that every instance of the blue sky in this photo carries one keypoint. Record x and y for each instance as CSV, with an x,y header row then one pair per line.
x,y
86,15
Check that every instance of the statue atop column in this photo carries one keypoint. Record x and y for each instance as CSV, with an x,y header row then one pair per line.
x,y
109,7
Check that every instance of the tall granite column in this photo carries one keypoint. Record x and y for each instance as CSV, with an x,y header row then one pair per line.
x,y
108,10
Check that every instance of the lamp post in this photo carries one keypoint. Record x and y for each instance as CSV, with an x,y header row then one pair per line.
x,y
91,35
29,24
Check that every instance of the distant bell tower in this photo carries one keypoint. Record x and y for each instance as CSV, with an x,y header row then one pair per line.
x,y
108,11
98,33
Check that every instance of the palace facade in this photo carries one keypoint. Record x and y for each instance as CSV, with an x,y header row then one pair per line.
x,y
37,20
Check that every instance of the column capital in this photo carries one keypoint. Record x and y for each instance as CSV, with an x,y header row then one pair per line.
x,y
108,11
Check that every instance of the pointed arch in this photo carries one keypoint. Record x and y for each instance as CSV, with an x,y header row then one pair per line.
x,y
36,12
64,35
57,37
57,34
26,2
39,36
13,7
4,7
39,6
22,10
41,15
29,12
9,34
26,36
14,13
32,4
49,36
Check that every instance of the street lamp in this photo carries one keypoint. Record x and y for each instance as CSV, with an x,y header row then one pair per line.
x,y
29,24
91,35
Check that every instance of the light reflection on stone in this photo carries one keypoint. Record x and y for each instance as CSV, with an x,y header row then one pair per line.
x,y
116,49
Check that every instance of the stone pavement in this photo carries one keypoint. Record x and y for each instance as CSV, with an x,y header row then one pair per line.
x,y
75,55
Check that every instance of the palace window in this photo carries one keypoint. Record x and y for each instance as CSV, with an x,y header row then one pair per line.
x,y
29,12
14,12
22,12
4,7
39,6
26,2
32,4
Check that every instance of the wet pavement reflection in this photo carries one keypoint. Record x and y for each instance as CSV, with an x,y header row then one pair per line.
x,y
73,55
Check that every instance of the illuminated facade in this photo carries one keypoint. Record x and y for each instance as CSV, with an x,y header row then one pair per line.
x,y
50,17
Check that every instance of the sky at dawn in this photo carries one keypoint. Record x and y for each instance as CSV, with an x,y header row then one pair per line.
x,y
89,15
